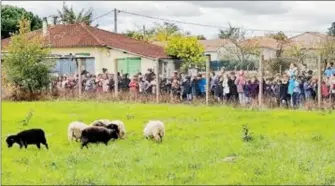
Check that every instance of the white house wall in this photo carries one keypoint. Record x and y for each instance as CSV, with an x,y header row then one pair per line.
x,y
104,58
214,55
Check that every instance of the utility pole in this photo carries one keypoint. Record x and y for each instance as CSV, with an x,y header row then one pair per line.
x,y
143,29
115,20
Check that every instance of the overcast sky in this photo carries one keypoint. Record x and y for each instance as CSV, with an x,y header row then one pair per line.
x,y
290,16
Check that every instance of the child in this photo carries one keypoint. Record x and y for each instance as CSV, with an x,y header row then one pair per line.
x,y
133,86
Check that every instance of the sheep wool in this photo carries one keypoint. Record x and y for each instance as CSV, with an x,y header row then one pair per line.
x,y
155,130
75,129
95,134
121,126
100,123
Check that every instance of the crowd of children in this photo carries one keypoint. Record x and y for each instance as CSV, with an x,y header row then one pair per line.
x,y
290,89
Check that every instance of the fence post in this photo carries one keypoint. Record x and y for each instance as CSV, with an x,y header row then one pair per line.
x,y
207,78
79,77
116,81
280,69
319,82
157,81
260,71
235,69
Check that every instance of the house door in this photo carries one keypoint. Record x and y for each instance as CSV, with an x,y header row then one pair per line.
x,y
133,66
122,66
129,65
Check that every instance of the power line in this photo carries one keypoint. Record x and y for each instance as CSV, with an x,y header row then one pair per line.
x,y
197,24
205,25
103,15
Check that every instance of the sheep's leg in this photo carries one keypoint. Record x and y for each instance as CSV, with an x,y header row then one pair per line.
x,y
38,145
157,138
106,143
84,144
21,145
25,144
46,145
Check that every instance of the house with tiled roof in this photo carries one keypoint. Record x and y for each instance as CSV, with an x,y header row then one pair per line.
x,y
101,48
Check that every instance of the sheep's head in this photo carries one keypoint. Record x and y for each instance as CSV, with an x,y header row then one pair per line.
x,y
113,134
10,140
114,127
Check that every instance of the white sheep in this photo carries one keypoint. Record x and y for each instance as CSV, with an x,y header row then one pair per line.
x,y
121,126
105,122
100,122
155,130
74,130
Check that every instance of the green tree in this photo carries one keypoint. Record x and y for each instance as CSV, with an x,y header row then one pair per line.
x,y
188,49
26,63
10,16
142,34
331,30
68,16
279,63
201,37
166,31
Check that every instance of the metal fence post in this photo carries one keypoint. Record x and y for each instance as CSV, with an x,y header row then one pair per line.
x,y
157,81
319,82
79,77
207,78
116,81
260,71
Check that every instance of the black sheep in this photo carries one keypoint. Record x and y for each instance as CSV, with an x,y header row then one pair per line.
x,y
27,137
97,134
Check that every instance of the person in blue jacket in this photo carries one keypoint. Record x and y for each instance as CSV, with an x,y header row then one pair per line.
x,y
330,70
201,85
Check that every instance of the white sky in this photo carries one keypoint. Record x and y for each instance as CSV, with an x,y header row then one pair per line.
x,y
290,16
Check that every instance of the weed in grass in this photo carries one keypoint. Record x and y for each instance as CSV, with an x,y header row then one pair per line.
x,y
246,134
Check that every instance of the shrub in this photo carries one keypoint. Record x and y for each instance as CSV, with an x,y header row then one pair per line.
x,y
26,63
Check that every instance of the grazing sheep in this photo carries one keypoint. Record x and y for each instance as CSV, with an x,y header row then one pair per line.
x,y
74,130
97,134
154,129
100,123
122,128
106,122
28,137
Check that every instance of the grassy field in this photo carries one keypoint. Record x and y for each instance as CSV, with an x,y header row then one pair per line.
x,y
289,147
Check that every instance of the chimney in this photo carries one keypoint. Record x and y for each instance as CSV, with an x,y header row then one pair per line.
x,y
45,26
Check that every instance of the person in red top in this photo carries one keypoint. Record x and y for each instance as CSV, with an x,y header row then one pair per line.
x,y
324,89
133,87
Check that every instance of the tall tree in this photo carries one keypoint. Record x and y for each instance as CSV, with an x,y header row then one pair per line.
x,y
240,48
331,30
10,17
68,16
201,37
166,31
25,62
229,33
279,63
142,34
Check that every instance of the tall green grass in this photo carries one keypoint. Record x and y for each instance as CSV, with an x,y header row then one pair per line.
x,y
289,147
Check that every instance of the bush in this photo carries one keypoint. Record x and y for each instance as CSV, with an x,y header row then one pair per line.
x,y
26,64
